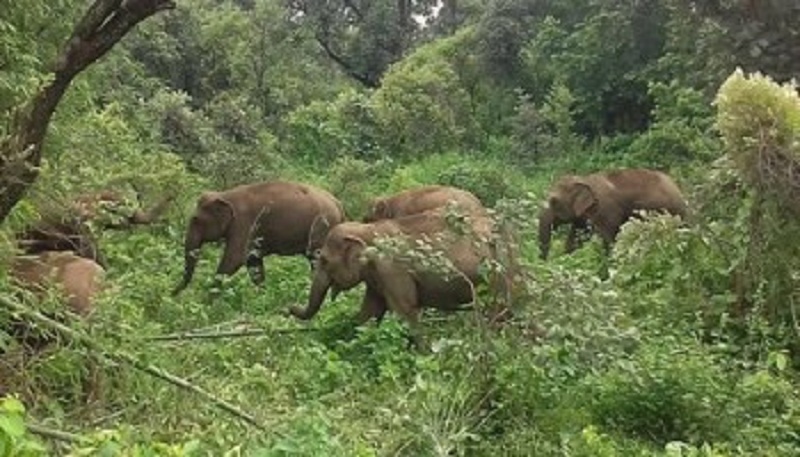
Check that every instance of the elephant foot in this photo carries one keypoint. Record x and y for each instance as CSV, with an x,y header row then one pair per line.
x,y
299,312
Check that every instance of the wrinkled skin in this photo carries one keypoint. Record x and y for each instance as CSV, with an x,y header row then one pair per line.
x,y
394,283
256,220
608,200
421,199
78,278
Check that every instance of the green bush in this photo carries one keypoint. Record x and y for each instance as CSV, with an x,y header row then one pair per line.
x,y
547,130
355,182
15,438
324,131
422,109
667,391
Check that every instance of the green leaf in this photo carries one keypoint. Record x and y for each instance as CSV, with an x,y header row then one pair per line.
x,y
13,426
12,405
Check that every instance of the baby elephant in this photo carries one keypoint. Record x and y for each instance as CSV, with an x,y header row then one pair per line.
x,y
395,278
256,220
606,201
421,199
78,278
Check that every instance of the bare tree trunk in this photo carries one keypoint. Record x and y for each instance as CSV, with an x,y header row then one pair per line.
x,y
451,7
103,25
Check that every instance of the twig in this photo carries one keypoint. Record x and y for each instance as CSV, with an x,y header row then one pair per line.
x,y
225,334
128,359
54,434
107,417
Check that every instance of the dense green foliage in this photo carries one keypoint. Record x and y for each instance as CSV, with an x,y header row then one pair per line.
x,y
689,348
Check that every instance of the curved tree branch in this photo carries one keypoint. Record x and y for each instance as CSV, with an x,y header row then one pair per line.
x,y
100,28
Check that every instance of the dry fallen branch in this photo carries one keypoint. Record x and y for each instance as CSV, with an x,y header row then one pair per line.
x,y
54,434
225,334
117,356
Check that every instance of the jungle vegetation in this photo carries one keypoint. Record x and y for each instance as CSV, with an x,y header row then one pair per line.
x,y
687,347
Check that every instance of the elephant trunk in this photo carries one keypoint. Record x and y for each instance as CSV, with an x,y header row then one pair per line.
x,y
319,288
144,217
546,221
191,253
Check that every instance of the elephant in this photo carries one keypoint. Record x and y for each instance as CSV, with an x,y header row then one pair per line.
x,y
79,279
548,222
60,234
110,209
255,220
394,281
71,228
420,199
607,200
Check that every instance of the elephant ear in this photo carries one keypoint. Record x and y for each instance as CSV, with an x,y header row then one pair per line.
x,y
351,249
316,234
218,208
584,199
382,210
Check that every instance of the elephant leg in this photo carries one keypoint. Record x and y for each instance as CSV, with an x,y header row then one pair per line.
x,y
236,249
606,259
373,306
572,239
401,296
255,268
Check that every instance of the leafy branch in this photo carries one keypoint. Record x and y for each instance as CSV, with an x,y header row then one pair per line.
x,y
121,357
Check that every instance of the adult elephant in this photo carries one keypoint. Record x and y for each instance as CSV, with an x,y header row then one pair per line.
x,y
421,199
397,279
256,220
607,200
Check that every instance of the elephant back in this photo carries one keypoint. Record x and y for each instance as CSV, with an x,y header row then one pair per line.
x,y
78,278
284,214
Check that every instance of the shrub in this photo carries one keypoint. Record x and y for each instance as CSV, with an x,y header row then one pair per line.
x,y
547,130
682,131
760,123
323,131
354,182
422,110
668,390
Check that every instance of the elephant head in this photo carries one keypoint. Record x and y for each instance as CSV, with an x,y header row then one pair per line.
x,y
572,200
378,209
338,267
212,219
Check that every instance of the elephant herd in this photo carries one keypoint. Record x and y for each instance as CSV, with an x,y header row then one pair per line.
x,y
290,218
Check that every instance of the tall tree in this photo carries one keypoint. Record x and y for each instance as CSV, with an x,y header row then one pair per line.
x,y
762,35
363,37
100,28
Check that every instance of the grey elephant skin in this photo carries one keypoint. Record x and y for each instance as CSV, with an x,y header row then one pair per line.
x,y
421,199
255,220
605,201
395,281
